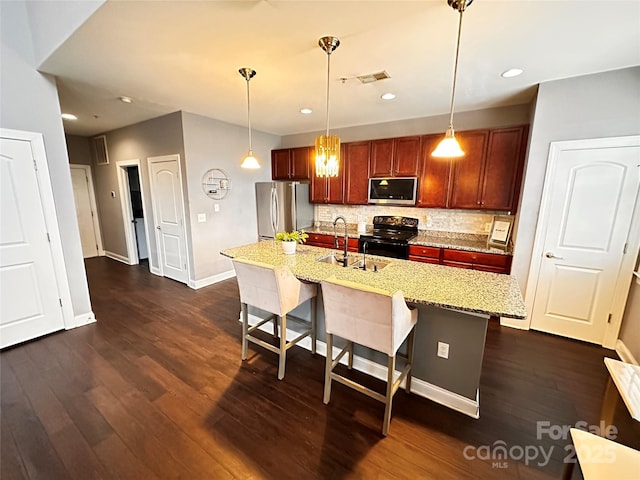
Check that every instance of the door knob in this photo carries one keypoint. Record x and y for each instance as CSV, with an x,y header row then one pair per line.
x,y
158,227
551,255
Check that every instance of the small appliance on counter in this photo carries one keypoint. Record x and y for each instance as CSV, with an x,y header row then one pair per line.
x,y
282,206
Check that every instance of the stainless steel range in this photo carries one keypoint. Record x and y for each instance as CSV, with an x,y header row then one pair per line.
x,y
390,236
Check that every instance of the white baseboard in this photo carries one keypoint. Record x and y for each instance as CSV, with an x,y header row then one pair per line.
x,y
81,320
624,353
514,323
118,257
205,282
155,270
419,387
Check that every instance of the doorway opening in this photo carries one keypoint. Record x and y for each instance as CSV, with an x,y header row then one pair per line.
x,y
137,212
133,213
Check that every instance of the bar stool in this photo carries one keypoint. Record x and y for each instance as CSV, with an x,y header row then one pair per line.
x,y
278,291
374,318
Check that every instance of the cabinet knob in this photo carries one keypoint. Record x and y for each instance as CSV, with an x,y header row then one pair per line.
x,y
478,203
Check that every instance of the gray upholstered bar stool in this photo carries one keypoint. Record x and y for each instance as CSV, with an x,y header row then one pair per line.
x,y
375,318
278,291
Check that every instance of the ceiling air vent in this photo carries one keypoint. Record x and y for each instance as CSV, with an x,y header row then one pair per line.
x,y
373,77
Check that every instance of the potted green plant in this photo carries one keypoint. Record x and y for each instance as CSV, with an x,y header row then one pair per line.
x,y
291,239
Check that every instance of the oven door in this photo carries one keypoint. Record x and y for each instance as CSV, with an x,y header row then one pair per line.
x,y
384,248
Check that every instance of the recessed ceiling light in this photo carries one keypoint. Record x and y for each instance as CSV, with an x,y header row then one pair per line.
x,y
512,72
126,99
387,96
306,111
69,116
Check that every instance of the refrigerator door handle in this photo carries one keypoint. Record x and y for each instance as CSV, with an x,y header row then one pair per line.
x,y
294,200
275,211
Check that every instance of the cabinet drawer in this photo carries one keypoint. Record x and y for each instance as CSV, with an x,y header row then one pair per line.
x,y
417,258
428,252
320,240
488,262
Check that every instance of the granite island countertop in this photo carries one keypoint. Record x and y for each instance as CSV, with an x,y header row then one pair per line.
x,y
421,283
426,238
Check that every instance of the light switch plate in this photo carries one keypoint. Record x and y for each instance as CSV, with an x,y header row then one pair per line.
x,y
216,207
202,217
443,350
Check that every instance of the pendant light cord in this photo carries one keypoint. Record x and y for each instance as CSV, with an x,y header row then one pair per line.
x,y
328,70
249,114
455,68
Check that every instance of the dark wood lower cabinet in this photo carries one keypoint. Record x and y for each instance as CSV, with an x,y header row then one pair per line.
x,y
418,253
487,262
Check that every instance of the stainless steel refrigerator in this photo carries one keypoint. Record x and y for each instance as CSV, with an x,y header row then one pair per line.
x,y
282,206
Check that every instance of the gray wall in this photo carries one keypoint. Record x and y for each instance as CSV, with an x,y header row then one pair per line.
x,y
489,118
79,150
151,138
592,106
210,143
29,101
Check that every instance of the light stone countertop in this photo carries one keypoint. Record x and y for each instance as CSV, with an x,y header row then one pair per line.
x,y
438,285
426,238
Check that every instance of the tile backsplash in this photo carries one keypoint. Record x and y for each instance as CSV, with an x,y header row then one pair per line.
x,y
461,221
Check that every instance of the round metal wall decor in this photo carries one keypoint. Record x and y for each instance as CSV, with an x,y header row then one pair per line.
x,y
216,183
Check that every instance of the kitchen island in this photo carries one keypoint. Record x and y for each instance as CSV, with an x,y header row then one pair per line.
x,y
455,305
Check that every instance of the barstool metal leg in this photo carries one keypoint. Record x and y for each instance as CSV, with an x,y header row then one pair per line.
x,y
314,331
410,344
283,346
350,355
245,327
327,369
391,366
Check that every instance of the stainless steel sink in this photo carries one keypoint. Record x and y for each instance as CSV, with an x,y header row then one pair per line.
x,y
337,259
371,265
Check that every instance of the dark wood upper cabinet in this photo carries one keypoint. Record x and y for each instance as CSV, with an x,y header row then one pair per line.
x,y
468,170
328,190
280,164
435,176
395,157
291,163
356,172
503,169
488,176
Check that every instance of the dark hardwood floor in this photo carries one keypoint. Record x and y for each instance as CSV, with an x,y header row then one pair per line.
x,y
156,389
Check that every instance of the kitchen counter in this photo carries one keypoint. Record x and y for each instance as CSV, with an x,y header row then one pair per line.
x,y
427,238
454,306
435,285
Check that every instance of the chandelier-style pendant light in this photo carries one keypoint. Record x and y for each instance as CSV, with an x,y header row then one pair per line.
x,y
328,146
449,146
249,161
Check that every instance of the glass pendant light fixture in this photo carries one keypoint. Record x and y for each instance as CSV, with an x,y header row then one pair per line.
x,y
449,146
249,161
328,146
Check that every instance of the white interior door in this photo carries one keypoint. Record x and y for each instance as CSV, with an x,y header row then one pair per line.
x,y
30,305
85,210
588,212
168,208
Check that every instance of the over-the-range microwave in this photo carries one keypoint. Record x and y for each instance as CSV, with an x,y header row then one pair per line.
x,y
393,190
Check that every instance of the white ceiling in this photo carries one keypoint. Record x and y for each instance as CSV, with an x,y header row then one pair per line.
x,y
180,55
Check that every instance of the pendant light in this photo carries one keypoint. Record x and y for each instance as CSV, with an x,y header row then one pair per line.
x,y
328,146
249,161
449,146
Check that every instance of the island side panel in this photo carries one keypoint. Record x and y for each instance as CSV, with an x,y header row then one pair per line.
x,y
465,334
